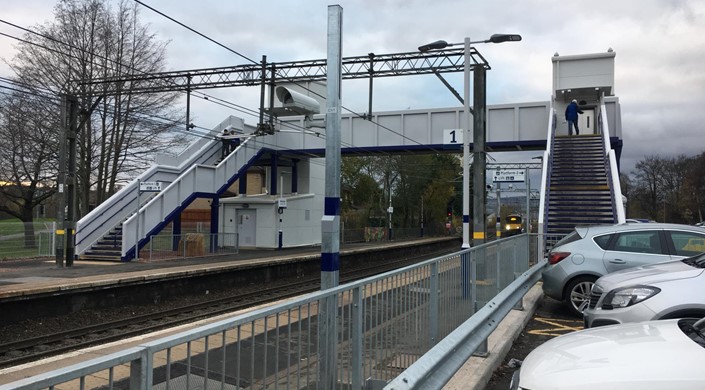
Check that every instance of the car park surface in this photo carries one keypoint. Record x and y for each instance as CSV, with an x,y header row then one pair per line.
x,y
664,354
667,290
586,254
551,319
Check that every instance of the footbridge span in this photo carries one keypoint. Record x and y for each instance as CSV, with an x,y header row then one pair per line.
x,y
288,163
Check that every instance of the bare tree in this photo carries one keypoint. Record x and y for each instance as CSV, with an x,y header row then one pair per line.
x,y
649,188
90,40
28,153
694,186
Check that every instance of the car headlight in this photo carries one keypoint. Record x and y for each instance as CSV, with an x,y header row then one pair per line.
x,y
627,296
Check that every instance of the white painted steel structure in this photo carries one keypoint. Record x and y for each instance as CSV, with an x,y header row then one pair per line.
x,y
510,127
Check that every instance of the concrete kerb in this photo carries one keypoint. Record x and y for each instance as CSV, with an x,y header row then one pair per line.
x,y
476,372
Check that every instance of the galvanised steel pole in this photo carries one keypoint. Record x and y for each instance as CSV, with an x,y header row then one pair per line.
x,y
466,147
479,163
330,224
479,166
465,256
60,230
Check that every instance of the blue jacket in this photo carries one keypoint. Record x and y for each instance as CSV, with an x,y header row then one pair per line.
x,y
572,111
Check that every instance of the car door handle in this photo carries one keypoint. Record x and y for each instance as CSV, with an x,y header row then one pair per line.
x,y
618,261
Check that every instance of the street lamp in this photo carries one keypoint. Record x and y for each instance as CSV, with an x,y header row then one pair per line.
x,y
495,38
478,136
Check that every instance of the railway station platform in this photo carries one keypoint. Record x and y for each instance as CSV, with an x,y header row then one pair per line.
x,y
23,280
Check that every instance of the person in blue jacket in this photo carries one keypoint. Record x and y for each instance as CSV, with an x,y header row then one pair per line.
x,y
571,115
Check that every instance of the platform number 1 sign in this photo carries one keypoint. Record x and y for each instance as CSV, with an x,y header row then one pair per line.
x,y
452,136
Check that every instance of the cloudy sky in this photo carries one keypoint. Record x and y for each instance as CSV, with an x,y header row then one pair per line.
x,y
660,47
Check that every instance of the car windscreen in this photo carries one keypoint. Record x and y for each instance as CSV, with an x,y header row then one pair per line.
x,y
693,328
697,261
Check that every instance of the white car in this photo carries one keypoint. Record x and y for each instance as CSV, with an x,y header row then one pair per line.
x,y
674,289
667,354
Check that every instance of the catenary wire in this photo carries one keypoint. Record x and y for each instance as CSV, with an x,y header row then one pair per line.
x,y
204,96
254,62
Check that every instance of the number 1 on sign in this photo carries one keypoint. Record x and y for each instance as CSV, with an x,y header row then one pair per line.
x,y
452,136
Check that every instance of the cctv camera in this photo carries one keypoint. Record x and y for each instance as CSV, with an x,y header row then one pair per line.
x,y
297,103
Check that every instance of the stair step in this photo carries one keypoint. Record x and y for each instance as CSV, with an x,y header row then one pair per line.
x,y
579,191
573,206
86,257
111,251
577,217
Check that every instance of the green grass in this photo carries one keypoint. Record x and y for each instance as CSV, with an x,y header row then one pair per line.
x,y
12,245
14,226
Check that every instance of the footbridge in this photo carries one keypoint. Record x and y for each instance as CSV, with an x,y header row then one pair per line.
x,y
289,162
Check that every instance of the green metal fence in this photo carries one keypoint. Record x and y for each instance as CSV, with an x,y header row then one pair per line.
x,y
20,240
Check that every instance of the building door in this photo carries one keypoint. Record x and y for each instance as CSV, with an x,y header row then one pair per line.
x,y
247,227
229,218
586,122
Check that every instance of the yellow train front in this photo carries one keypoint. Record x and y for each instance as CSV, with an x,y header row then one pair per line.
x,y
512,225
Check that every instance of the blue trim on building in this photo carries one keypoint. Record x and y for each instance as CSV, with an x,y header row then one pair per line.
x,y
294,176
176,230
177,211
215,222
433,148
466,218
273,190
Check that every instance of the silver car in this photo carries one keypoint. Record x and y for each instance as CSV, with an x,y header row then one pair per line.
x,y
675,289
586,254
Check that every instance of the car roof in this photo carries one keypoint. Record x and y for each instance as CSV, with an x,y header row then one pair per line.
x,y
623,227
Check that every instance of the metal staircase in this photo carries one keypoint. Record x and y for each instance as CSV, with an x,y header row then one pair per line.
x,y
579,192
99,234
106,249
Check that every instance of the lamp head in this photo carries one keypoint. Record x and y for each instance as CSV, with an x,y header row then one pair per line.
x,y
499,38
433,45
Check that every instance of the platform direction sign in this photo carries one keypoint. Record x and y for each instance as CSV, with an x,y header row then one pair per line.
x,y
150,186
508,175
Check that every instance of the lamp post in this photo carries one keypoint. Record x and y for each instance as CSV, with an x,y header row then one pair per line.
x,y
478,136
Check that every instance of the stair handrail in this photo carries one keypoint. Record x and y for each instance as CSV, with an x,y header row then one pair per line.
x,y
223,171
611,164
546,166
99,221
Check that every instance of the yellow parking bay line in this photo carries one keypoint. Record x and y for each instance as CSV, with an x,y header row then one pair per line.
x,y
558,326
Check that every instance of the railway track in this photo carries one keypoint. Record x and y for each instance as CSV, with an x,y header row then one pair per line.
x,y
36,348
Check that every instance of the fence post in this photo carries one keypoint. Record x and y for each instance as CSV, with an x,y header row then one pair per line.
x,y
482,350
467,276
433,304
53,235
520,303
357,333
140,371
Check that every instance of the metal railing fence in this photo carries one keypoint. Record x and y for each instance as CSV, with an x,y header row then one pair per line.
x,y
374,234
171,246
383,325
21,240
